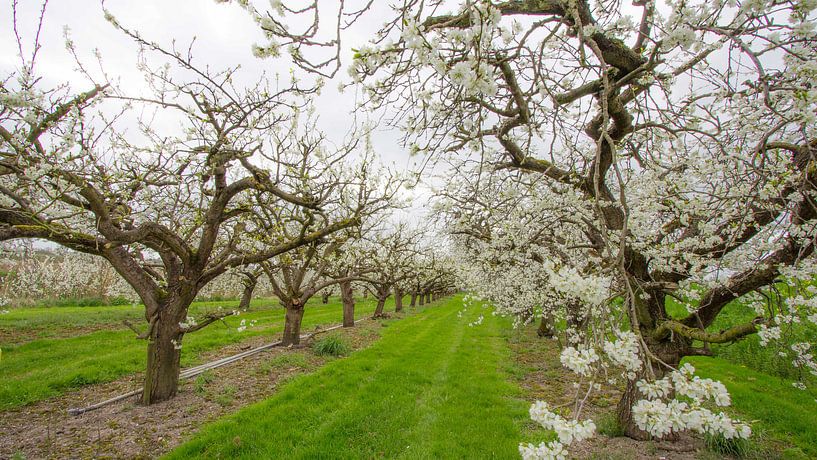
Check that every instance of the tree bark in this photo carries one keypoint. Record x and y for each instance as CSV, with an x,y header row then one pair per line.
x,y
624,410
413,300
398,299
325,298
292,324
348,300
670,353
163,360
246,296
428,297
545,328
381,303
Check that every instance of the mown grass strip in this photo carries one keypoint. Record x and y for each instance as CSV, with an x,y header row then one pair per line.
x,y
47,367
431,387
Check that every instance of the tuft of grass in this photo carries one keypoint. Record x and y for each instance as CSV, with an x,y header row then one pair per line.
x,y
735,447
609,425
331,345
226,396
202,380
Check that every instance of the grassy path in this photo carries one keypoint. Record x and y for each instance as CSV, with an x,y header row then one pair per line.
x,y
44,368
431,387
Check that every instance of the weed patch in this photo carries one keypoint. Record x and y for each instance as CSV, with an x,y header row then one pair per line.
x,y
331,345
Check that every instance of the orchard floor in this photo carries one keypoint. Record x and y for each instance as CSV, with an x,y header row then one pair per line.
x,y
428,383
127,430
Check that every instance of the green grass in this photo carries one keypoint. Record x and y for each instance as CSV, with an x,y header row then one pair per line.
x,y
294,360
776,409
332,345
44,321
431,387
44,368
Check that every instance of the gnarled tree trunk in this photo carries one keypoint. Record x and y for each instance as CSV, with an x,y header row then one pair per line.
x,y
381,303
670,354
325,298
347,297
292,323
413,299
670,351
163,359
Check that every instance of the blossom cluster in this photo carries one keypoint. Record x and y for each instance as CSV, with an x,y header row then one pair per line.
x,y
568,432
625,353
579,361
660,414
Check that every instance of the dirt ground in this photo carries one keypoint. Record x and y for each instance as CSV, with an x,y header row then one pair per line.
x,y
128,430
542,377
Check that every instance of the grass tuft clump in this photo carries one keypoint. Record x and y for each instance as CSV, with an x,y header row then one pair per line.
x,y
202,380
331,345
735,447
226,396
609,426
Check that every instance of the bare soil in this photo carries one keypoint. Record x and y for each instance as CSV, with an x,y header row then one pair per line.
x,y
128,430
542,377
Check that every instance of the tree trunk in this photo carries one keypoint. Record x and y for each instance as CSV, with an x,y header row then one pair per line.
x,y
164,353
365,294
670,353
422,299
545,328
398,300
381,303
428,297
292,324
325,298
246,296
348,304
413,300
624,411
576,316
